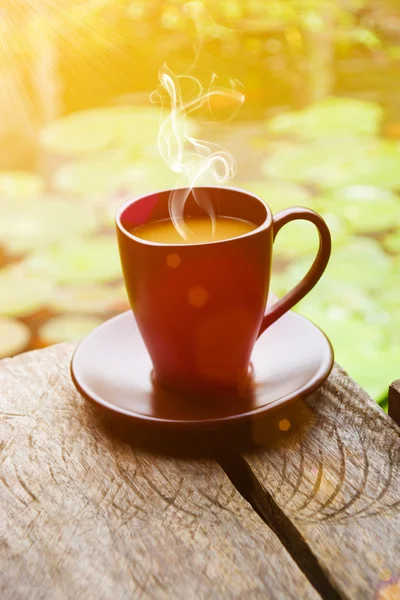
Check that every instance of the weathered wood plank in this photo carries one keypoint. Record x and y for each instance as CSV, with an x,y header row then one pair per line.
x,y
338,484
394,401
85,514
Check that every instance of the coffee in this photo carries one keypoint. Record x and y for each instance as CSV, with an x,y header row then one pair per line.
x,y
199,230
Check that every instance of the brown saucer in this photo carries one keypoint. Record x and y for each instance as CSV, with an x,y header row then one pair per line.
x,y
111,366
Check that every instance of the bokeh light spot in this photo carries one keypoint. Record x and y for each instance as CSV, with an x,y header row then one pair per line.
x,y
284,425
197,296
173,260
390,591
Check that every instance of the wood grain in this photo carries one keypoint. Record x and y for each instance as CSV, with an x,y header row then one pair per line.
x,y
337,484
87,514
394,401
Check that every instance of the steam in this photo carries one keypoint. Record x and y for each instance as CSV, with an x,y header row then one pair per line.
x,y
206,27
197,162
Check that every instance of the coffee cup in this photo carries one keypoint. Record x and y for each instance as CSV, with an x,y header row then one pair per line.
x,y
201,305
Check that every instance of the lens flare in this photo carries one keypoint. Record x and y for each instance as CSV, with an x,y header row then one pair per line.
x,y
34,37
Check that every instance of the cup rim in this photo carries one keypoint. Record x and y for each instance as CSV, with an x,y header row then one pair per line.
x,y
264,225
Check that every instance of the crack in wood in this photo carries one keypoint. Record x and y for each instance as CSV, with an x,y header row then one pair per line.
x,y
157,500
242,477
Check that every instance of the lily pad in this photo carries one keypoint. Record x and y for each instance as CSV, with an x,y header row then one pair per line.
x,y
381,166
373,370
72,136
86,298
323,162
330,117
360,263
338,162
14,337
97,175
365,208
300,238
362,349
391,243
345,297
22,293
113,171
344,329
25,225
328,294
20,184
83,260
394,283
389,296
67,328
93,130
277,194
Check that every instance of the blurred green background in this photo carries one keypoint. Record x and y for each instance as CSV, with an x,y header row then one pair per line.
x,y
320,128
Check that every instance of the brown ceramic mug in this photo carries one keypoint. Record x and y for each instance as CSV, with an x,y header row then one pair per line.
x,y
201,307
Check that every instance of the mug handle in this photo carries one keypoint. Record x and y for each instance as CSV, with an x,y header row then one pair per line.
x,y
316,269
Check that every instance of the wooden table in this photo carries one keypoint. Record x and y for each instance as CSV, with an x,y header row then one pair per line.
x,y
92,508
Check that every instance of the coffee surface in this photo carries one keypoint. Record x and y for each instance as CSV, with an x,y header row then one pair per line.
x,y
199,230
